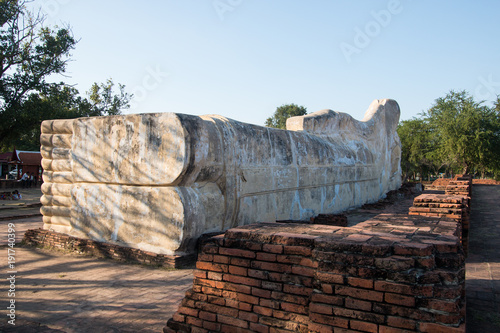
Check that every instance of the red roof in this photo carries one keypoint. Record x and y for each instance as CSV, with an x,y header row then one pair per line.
x,y
30,157
10,156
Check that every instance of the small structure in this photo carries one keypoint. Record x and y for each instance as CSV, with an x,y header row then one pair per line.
x,y
15,163
9,162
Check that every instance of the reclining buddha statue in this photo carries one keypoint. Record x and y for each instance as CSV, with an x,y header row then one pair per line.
x,y
158,181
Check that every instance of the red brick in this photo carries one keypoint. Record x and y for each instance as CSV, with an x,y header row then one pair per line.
x,y
195,329
244,306
365,272
304,271
211,291
212,267
449,319
400,299
370,295
327,288
272,286
232,303
214,327
269,303
385,329
238,270
214,276
207,316
289,259
261,292
308,262
401,322
295,308
232,321
205,282
271,266
329,320
357,304
264,256
449,292
205,257
275,277
362,283
290,298
436,328
363,326
330,277
200,274
321,308
263,275
188,311
240,262
259,328
272,248
221,259
441,305
178,317
443,246
248,298
189,303
298,250
237,253
427,263
216,300
248,316
263,311
393,287
395,263
297,290
229,294
246,281
412,313
194,321
318,328
327,299
236,287
360,315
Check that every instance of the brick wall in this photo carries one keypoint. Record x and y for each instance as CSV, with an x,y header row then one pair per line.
x,y
455,203
50,239
392,273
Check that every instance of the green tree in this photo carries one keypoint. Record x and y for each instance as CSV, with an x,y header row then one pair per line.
x,y
415,145
468,132
60,101
103,101
282,113
29,53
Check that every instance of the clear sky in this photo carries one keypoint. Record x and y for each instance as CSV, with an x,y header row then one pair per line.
x,y
243,58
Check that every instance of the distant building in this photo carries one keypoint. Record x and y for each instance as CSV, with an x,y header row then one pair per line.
x,y
14,164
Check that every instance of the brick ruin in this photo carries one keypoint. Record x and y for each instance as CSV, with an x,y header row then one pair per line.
x,y
391,273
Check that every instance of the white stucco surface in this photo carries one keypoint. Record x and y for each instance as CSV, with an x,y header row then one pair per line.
x,y
158,181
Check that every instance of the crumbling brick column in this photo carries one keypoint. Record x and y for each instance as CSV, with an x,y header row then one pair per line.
x,y
455,203
393,273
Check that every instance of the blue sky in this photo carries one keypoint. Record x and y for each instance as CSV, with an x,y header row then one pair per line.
x,y
243,58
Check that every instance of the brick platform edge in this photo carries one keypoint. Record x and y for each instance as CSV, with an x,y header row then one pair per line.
x,y
54,240
392,273
455,203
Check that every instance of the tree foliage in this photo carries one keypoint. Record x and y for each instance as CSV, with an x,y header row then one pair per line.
x,y
29,53
282,113
456,134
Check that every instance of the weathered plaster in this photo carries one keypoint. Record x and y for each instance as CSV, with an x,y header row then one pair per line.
x,y
159,181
